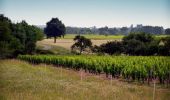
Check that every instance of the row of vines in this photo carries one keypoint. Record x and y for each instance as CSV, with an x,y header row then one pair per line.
x,y
140,68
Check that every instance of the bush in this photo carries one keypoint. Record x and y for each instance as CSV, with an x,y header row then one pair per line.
x,y
109,48
165,48
140,44
134,47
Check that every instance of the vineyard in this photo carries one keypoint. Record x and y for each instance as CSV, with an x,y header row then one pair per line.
x,y
132,68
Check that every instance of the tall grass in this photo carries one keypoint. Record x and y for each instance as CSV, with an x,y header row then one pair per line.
x,y
23,81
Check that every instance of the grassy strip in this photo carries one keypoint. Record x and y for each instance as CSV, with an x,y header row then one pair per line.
x,y
103,37
23,81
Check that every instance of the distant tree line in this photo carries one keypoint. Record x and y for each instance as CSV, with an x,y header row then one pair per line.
x,y
17,38
157,30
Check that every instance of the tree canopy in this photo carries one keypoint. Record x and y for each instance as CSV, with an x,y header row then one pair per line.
x,y
81,43
167,31
19,38
55,28
137,43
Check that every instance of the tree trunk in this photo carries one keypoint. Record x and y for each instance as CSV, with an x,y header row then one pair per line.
x,y
55,39
81,50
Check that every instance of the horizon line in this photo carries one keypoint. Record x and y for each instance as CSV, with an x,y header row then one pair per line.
x,y
134,25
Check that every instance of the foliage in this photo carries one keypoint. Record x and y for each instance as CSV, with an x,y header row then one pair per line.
x,y
39,33
19,38
141,68
167,31
114,31
81,43
55,28
139,43
165,48
140,36
134,47
166,41
111,48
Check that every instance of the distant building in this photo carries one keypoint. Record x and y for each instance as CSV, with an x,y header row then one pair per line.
x,y
139,26
131,27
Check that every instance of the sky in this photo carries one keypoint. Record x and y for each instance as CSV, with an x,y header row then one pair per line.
x,y
88,13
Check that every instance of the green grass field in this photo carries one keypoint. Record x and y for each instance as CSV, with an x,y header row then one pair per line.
x,y
103,37
63,44
95,37
22,81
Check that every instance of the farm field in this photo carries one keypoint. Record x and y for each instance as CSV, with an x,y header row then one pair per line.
x,y
61,48
95,37
21,80
140,68
102,37
67,43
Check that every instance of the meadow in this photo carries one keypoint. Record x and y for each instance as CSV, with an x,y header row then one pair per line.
x,y
102,37
66,42
95,36
20,80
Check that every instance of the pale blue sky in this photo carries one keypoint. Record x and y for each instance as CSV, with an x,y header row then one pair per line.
x,y
87,13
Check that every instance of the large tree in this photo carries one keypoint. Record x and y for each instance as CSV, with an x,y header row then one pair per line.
x,y
81,43
55,28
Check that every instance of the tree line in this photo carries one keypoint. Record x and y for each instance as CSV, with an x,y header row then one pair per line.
x,y
157,30
17,38
21,38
